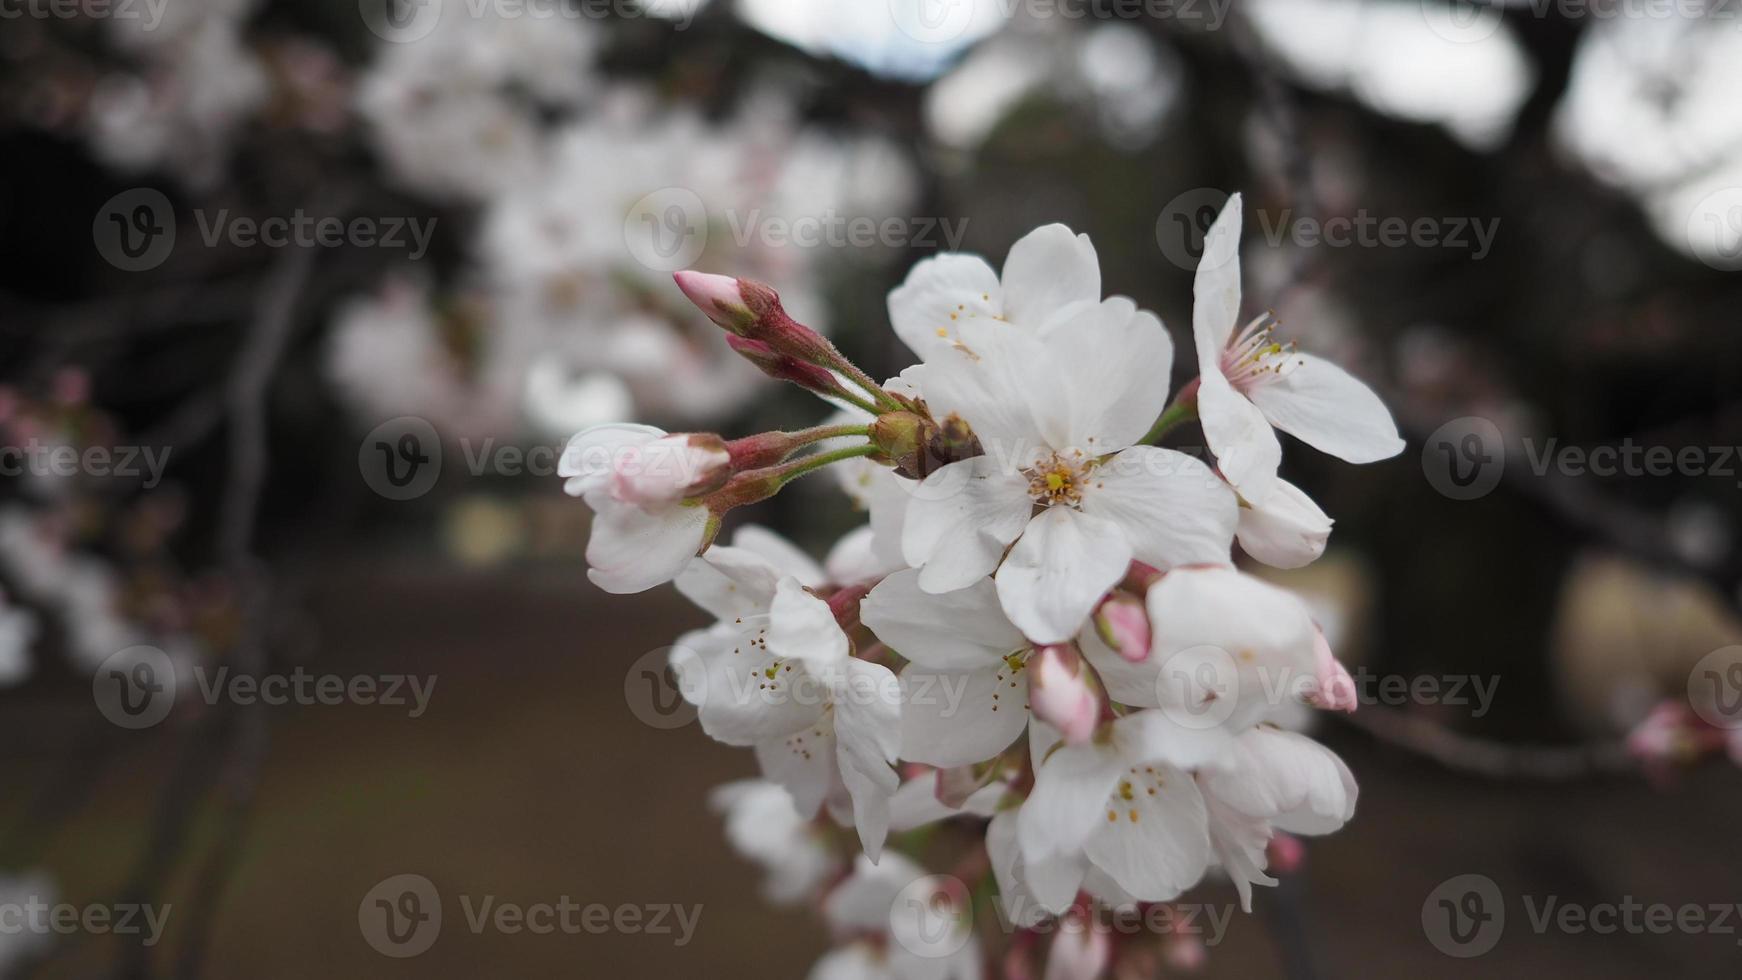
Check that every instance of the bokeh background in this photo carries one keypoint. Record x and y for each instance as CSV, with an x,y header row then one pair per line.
x,y
1522,222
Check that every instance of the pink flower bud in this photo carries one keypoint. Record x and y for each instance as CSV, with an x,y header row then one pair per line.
x,y
1079,951
785,367
1286,853
641,465
1335,689
1123,624
1186,953
719,297
1059,693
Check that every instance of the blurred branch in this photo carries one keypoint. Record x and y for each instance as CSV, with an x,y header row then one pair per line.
x,y
1487,758
261,354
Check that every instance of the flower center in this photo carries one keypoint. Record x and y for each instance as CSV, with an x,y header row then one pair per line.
x,y
1059,478
1253,356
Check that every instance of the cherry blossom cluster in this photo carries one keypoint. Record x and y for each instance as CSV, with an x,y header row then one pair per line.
x,y
1041,632
556,325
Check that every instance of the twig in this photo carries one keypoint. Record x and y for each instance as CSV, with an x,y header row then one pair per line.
x,y
1490,759
246,399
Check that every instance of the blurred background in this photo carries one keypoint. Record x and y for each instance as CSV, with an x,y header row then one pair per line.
x,y
300,301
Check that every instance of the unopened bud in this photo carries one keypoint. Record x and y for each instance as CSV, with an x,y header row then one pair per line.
x,y
1080,951
919,446
785,367
719,297
1059,693
1334,689
1286,853
1123,624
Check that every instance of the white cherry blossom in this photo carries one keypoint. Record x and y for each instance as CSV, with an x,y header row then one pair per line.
x,y
1063,479
763,825
1049,274
1249,382
633,478
775,674
1284,530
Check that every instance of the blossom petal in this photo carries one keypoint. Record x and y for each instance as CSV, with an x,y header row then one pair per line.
x,y
632,550
801,627
784,556
961,630
1216,286
587,461
960,521
1330,410
1286,530
1173,509
1069,800
1154,838
1239,842
916,803
938,294
1286,778
803,763
1061,566
1253,641
1246,448
990,378
1108,368
744,693
1048,272
957,718
867,738
729,582
1030,891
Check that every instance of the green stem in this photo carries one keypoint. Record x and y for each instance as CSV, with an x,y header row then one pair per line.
x,y
805,437
810,464
857,402
1183,409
